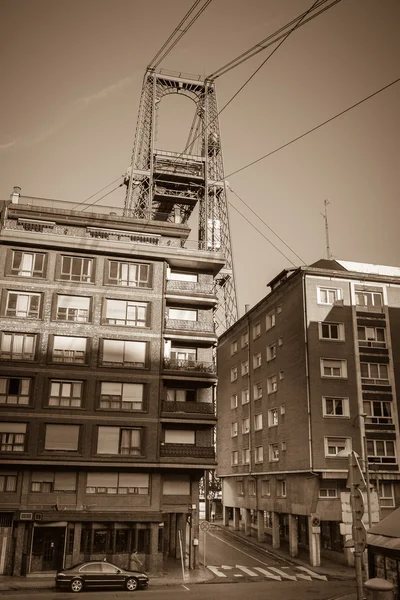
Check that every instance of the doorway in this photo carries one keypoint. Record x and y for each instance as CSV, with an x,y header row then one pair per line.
x,y
47,548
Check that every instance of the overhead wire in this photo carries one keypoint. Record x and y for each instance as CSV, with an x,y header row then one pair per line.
x,y
98,192
101,197
299,137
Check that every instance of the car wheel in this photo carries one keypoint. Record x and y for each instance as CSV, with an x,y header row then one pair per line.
x,y
76,585
131,584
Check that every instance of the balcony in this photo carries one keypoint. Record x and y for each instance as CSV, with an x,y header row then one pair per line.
x,y
183,325
371,344
203,408
174,285
365,380
196,366
187,451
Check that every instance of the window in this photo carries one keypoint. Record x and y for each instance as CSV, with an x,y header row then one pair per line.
x,y
234,457
335,445
279,308
119,440
180,436
73,308
246,456
265,487
333,406
183,356
256,360
180,276
234,347
386,494
76,268
65,393
182,314
234,373
281,375
257,390
251,487
12,437
328,295
328,489
272,384
180,395
331,331
369,298
256,330
14,390
270,320
121,396
378,411
234,401
245,367
283,446
381,451
372,337
280,341
117,483
124,353
258,454
246,425
126,312
273,418
43,482
128,274
281,488
245,339
234,429
374,373
273,452
23,305
17,346
283,410
239,487
271,351
27,264
8,483
245,396
61,437
333,368
69,349
258,422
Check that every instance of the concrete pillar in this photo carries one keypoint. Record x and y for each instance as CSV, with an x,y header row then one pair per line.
x,y
314,537
173,536
236,519
276,538
153,558
260,526
226,510
293,536
19,546
247,522
181,526
77,543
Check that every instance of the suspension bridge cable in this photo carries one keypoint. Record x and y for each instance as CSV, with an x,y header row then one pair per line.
x,y
299,137
266,225
98,192
101,197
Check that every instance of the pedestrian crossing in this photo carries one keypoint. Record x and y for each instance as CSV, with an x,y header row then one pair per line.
x,y
272,573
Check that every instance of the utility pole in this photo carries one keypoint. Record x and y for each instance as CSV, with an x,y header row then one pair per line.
x,y
358,529
325,216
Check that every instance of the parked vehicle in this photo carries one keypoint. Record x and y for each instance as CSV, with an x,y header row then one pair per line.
x,y
99,574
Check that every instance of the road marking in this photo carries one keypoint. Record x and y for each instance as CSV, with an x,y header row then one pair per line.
x,y
247,571
283,574
313,574
237,575
306,577
216,571
268,574
186,588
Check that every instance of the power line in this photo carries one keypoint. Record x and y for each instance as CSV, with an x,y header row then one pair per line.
x,y
101,197
299,137
95,194
266,225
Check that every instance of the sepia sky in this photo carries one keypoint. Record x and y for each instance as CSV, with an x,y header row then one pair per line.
x,y
71,76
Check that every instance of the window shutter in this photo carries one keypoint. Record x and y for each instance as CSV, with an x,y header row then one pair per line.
x,y
108,440
73,302
113,350
134,480
62,342
102,480
179,436
62,437
111,388
133,392
12,427
135,352
65,482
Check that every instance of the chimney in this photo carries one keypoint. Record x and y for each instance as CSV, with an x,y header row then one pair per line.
x,y
246,308
14,197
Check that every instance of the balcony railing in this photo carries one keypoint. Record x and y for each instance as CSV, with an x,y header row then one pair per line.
x,y
187,450
189,325
371,344
375,381
204,408
199,366
189,286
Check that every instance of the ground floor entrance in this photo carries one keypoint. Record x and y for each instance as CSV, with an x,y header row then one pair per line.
x,y
48,548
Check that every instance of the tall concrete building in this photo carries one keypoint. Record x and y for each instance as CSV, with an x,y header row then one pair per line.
x,y
107,382
306,375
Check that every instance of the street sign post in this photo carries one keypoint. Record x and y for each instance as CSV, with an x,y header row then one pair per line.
x,y
204,526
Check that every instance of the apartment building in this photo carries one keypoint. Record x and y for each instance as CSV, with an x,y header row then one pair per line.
x,y
107,383
306,375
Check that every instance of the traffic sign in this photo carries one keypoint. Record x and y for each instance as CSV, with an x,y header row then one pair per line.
x,y
205,526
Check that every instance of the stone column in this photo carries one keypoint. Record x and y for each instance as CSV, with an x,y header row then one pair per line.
x,y
293,536
153,558
226,515
314,536
276,538
236,519
173,536
260,526
19,546
247,522
180,526
77,543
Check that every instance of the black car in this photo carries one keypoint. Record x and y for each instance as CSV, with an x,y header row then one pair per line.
x,y
98,574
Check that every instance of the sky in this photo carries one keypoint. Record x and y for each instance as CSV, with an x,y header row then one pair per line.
x,y
71,77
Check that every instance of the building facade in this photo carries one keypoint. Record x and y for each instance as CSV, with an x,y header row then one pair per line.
x,y
107,385
305,376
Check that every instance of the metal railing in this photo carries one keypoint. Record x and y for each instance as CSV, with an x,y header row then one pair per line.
x,y
187,450
199,366
206,408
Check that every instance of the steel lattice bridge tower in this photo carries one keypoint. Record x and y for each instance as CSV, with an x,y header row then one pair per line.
x,y
167,186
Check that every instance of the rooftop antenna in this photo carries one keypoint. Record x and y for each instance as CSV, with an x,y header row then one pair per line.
x,y
325,217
